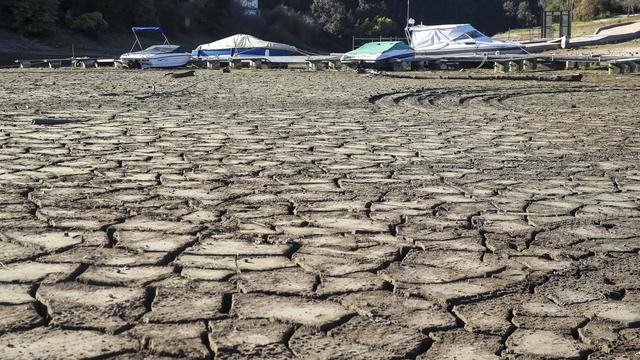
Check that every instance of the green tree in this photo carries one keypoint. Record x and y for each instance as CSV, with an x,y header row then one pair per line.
x,y
332,15
35,17
90,23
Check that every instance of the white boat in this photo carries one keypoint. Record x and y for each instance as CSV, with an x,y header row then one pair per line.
x,y
156,56
457,39
379,53
242,45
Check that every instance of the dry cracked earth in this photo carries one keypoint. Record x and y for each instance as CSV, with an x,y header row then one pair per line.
x,y
287,214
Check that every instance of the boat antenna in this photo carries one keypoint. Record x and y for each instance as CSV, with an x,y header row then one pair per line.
x,y
410,23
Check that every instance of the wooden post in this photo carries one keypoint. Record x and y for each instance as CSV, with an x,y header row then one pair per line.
x,y
515,66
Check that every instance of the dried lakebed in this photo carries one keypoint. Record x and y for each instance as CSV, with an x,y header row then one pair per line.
x,y
284,214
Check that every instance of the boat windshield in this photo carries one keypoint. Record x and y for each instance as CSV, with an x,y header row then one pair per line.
x,y
470,35
163,49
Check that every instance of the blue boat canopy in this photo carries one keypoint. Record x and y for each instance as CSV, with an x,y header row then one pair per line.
x,y
146,29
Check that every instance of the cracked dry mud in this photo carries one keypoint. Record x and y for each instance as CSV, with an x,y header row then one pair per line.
x,y
284,214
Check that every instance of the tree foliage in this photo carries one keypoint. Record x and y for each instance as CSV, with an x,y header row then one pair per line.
x,y
34,16
317,21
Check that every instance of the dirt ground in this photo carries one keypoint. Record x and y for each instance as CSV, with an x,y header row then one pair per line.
x,y
286,214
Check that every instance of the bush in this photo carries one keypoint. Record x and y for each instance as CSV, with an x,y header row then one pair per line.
x,y
35,17
89,22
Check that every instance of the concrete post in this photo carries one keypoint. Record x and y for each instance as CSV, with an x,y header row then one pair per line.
x,y
501,67
255,64
615,69
401,66
315,65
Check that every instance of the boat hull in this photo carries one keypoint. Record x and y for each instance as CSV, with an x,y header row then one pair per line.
x,y
228,53
472,51
378,58
156,61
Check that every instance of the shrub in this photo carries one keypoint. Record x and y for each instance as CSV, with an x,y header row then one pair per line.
x,y
89,22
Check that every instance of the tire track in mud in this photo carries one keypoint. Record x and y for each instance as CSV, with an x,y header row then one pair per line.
x,y
426,100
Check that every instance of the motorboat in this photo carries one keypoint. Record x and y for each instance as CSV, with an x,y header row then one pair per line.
x,y
456,39
155,56
382,52
243,45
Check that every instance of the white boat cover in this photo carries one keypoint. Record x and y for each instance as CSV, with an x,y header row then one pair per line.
x,y
451,38
244,41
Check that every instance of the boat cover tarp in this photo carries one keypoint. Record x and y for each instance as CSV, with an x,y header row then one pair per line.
x,y
379,52
439,37
382,47
244,44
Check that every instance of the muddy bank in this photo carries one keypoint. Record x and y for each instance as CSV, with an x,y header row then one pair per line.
x,y
282,214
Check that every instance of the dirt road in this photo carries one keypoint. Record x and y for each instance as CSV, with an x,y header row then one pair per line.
x,y
285,214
